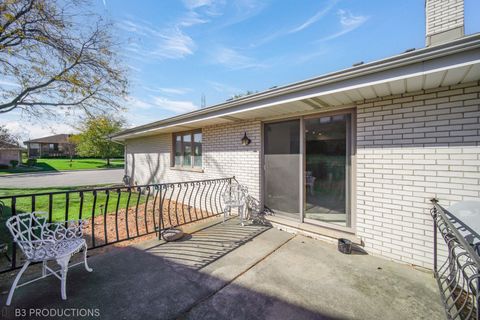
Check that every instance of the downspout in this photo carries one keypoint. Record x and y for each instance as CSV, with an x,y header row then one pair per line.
x,y
125,173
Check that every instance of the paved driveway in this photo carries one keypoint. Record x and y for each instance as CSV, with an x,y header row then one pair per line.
x,y
62,179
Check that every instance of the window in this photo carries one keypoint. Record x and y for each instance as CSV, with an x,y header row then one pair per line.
x,y
197,149
187,149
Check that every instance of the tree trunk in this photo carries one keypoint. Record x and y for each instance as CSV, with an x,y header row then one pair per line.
x,y
108,162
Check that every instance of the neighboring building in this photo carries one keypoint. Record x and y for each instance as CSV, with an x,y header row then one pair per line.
x,y
356,153
9,152
57,145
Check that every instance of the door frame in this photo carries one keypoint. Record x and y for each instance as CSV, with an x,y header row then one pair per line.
x,y
351,189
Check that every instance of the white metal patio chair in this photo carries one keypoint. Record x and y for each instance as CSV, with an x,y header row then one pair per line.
x,y
41,242
235,197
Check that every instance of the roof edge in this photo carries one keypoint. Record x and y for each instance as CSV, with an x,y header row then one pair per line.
x,y
450,48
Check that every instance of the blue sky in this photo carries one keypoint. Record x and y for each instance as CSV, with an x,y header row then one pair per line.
x,y
178,50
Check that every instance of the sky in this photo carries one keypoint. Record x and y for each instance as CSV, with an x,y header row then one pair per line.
x,y
178,51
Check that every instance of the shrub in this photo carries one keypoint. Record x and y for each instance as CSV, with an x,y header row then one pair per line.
x,y
31,162
4,166
14,163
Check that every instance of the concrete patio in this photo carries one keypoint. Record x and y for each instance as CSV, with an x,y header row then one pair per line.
x,y
231,272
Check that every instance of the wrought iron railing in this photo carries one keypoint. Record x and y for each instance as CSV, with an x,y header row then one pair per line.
x,y
118,213
458,274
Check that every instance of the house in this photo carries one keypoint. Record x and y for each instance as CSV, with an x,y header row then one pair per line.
x,y
355,154
58,145
9,152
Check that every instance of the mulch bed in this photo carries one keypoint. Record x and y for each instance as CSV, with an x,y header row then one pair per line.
x,y
139,222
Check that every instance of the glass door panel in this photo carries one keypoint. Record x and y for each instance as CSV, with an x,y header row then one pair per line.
x,y
282,167
327,169
187,150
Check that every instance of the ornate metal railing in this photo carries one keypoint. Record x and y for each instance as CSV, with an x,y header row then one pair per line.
x,y
458,274
118,213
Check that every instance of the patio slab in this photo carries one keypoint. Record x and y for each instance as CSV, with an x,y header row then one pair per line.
x,y
310,279
233,272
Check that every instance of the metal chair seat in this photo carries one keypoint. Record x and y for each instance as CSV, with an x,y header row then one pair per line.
x,y
235,197
41,242
52,250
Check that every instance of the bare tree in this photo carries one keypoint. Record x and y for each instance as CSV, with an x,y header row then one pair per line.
x,y
6,137
56,57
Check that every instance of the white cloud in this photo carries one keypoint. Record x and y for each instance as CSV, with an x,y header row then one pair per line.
x,y
173,44
233,59
302,58
315,17
246,9
349,22
177,106
134,119
206,7
177,91
160,102
270,37
133,102
133,68
191,18
310,21
169,43
135,27
174,90
152,43
194,4
224,88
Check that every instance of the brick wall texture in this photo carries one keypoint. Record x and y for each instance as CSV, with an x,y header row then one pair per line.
x,y
410,148
442,15
148,159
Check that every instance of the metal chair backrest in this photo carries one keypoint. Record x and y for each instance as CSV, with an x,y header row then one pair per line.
x,y
27,227
236,194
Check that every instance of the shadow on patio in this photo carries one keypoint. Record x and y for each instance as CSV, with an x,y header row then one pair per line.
x,y
231,272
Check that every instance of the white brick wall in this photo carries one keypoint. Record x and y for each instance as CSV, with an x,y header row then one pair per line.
x,y
411,148
442,15
148,158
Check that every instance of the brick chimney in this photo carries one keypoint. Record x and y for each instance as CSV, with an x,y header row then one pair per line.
x,y
444,21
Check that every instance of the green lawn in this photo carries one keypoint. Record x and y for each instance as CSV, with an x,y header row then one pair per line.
x,y
24,204
66,164
59,203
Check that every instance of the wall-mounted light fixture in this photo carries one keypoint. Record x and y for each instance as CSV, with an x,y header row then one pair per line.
x,y
245,140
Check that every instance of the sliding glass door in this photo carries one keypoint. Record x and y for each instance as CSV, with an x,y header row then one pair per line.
x,y
307,165
282,167
327,169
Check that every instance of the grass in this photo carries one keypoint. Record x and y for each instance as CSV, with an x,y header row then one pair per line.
x,y
65,164
24,204
59,208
